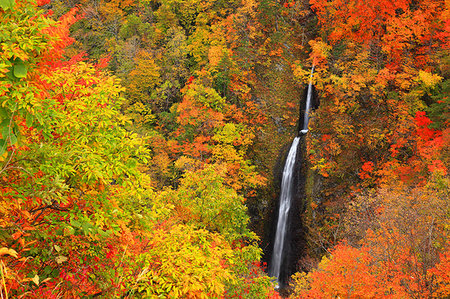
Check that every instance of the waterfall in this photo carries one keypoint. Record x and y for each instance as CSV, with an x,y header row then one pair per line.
x,y
285,205
308,104
288,191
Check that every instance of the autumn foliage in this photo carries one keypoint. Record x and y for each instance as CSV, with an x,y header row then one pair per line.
x,y
138,142
79,216
400,246
383,219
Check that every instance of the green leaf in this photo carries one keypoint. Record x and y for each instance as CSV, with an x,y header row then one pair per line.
x,y
13,139
47,135
9,74
3,113
68,231
5,131
47,270
7,4
29,120
75,223
2,146
20,70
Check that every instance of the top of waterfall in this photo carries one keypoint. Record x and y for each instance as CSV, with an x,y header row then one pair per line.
x,y
308,99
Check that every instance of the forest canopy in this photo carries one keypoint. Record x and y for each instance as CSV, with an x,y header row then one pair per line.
x,y
139,142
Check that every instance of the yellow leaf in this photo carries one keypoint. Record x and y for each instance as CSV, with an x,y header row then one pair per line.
x,y
5,250
60,259
35,279
429,79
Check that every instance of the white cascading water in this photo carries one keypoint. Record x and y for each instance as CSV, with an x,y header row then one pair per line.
x,y
286,193
285,205
308,104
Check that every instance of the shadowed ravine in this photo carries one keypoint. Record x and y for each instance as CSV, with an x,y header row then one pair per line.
x,y
285,251
283,211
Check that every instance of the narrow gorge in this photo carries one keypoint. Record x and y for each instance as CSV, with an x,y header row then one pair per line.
x,y
288,236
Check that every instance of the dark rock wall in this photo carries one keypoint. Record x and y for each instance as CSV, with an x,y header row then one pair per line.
x,y
295,244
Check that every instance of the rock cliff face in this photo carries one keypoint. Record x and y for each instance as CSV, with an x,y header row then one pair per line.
x,y
295,242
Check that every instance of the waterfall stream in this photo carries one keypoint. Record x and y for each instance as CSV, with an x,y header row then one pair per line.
x,y
283,213
287,188
308,104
